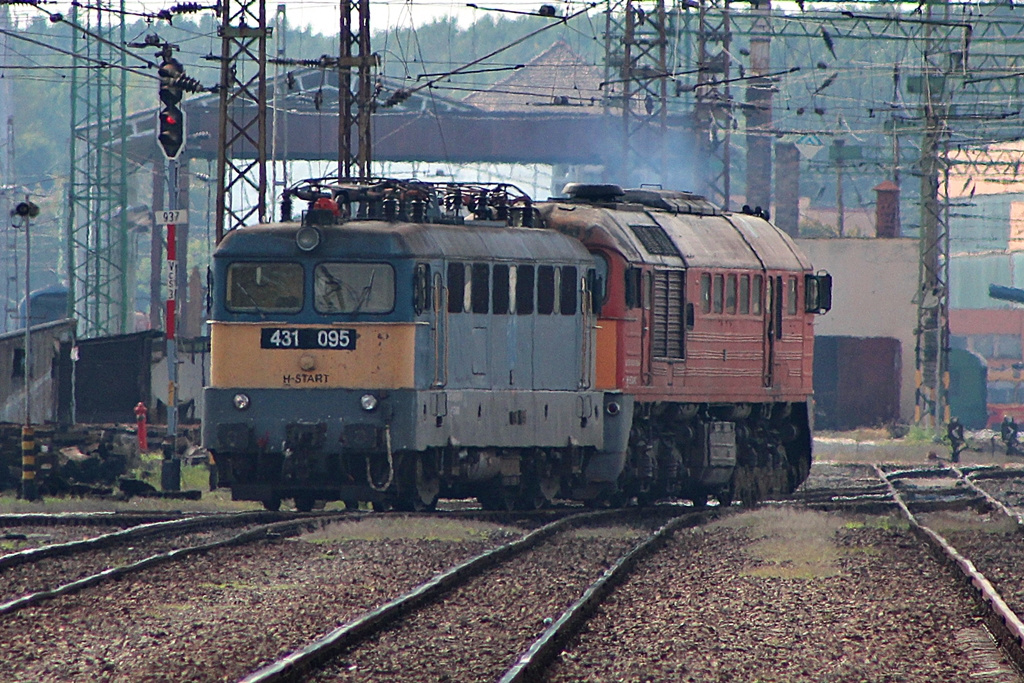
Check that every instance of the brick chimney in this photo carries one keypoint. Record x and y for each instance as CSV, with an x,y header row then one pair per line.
x,y
887,209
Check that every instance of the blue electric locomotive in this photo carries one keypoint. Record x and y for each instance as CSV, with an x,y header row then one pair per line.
x,y
401,342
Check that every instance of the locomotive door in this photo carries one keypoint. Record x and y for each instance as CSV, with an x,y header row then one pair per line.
x,y
439,331
646,331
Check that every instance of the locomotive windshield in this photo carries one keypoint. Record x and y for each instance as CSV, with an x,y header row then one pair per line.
x,y
354,288
264,287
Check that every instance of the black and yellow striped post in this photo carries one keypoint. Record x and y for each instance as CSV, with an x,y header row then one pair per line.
x,y
29,490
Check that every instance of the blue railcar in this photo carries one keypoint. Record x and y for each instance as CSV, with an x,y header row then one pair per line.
x,y
395,361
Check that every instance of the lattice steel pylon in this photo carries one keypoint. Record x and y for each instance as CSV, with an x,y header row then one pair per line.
x,y
644,78
931,353
713,106
355,90
242,153
97,262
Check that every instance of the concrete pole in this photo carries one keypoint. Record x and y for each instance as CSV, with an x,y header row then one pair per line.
x,y
759,111
787,188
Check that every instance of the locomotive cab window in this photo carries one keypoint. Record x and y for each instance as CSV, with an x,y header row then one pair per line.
x,y
264,287
791,296
632,287
353,288
756,294
599,283
546,290
480,296
569,287
456,287
341,287
744,294
524,290
705,292
421,298
500,290
717,293
730,294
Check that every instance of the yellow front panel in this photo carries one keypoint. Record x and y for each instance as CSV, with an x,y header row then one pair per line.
x,y
607,354
383,359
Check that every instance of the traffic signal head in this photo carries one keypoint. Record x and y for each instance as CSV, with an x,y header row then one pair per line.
x,y
171,131
171,73
26,209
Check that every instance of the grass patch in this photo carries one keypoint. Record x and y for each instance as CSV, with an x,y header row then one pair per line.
x,y
229,585
214,501
883,522
951,522
917,434
790,544
409,528
169,609
193,477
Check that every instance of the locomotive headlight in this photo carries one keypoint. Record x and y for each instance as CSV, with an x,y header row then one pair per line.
x,y
368,402
241,401
307,238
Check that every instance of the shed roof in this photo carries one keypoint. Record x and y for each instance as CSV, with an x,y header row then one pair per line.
x,y
557,78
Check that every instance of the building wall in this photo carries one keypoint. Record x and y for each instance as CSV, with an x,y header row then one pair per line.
x,y
193,372
874,282
51,345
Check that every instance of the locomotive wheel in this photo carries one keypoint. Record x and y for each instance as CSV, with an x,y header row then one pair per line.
x,y
304,503
421,488
273,504
745,486
725,495
539,492
351,504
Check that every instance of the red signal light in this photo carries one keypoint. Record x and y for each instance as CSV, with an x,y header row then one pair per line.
x,y
171,131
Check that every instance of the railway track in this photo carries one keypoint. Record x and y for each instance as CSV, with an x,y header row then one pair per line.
x,y
703,601
989,560
453,621
41,573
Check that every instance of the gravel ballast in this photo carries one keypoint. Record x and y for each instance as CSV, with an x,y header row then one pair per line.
x,y
476,632
222,614
783,595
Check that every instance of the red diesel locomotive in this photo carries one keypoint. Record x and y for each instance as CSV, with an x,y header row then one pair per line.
x,y
705,330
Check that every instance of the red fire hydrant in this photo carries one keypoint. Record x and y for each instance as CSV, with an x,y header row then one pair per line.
x,y
140,427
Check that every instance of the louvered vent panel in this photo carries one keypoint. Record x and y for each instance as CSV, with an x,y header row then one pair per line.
x,y
667,328
655,240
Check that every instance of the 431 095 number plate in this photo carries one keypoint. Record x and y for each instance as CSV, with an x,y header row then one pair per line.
x,y
307,338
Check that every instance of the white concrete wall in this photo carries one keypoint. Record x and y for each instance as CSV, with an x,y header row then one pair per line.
x,y
193,372
874,282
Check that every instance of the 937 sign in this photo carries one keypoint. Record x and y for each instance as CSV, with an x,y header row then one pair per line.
x,y
308,338
174,216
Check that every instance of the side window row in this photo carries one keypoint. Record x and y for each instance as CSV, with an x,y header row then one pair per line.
x,y
741,294
512,289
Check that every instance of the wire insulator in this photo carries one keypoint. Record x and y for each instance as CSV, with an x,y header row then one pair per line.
x,y
188,7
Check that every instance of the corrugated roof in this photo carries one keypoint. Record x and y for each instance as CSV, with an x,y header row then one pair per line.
x,y
557,79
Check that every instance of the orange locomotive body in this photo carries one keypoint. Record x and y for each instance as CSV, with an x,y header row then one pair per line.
x,y
705,329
